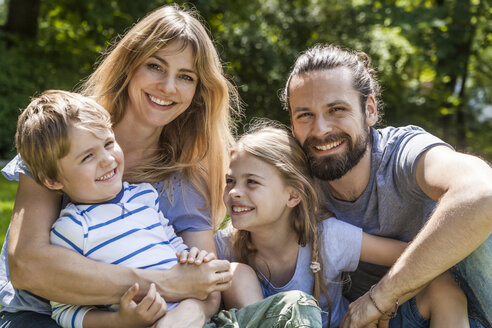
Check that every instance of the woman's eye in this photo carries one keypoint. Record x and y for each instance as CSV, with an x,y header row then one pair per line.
x,y
154,67
187,77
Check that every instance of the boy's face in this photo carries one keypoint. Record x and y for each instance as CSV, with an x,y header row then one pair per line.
x,y
92,171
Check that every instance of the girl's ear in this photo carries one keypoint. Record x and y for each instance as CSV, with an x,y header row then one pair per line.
x,y
52,184
294,198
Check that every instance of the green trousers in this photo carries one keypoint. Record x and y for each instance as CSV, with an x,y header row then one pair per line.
x,y
288,309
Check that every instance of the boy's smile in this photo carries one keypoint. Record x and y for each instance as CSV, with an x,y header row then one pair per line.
x,y
92,171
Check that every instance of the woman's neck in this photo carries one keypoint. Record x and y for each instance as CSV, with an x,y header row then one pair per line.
x,y
137,142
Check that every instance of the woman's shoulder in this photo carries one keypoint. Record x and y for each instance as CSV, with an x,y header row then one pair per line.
x,y
15,167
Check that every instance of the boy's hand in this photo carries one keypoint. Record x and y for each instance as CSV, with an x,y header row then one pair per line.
x,y
149,310
195,256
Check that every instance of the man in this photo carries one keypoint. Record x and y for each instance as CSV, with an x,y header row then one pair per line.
x,y
391,182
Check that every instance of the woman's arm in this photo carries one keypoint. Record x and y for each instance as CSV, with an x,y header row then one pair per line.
x,y
67,277
380,250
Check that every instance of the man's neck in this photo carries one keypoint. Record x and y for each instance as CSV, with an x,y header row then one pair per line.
x,y
354,182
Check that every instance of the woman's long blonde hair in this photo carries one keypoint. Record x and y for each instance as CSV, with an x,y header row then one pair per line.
x,y
196,142
272,143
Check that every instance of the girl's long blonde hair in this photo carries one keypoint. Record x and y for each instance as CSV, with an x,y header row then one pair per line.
x,y
272,143
196,142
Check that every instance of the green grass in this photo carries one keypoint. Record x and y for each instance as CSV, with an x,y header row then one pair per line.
x,y
7,197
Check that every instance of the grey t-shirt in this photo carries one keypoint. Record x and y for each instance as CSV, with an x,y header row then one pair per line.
x,y
340,245
392,205
183,206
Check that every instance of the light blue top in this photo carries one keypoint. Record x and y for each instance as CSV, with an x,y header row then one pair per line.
x,y
339,246
392,205
183,209
127,230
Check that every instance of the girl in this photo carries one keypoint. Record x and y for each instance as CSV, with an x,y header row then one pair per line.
x,y
272,205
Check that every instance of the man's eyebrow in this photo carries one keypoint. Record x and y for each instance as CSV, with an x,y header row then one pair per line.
x,y
328,105
162,60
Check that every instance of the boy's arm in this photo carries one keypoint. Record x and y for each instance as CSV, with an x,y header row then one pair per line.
x,y
380,250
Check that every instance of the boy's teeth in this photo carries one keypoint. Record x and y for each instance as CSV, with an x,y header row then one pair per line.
x,y
107,176
160,101
328,145
237,209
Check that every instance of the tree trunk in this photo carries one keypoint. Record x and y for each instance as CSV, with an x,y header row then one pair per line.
x,y
22,19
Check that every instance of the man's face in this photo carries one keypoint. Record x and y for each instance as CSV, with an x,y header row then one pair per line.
x,y
328,121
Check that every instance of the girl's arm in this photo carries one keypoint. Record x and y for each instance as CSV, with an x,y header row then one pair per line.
x,y
67,277
380,250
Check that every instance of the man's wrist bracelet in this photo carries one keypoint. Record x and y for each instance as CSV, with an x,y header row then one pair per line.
x,y
389,315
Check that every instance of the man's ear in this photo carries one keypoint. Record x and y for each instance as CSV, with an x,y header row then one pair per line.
x,y
371,111
52,184
294,198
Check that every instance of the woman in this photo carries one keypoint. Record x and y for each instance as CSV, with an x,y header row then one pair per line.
x,y
170,104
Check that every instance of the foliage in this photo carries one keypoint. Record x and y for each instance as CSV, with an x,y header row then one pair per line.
x,y
7,197
433,56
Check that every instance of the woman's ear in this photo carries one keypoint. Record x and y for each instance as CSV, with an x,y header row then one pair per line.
x,y
294,197
52,184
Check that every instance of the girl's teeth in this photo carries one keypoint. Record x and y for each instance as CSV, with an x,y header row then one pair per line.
x,y
328,145
160,101
107,176
237,209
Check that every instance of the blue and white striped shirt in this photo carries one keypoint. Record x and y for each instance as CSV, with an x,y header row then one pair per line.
x,y
127,230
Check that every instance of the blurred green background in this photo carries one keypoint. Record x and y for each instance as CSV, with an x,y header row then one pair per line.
x,y
434,57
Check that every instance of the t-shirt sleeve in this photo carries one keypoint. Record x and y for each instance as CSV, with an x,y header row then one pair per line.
x,y
413,143
184,206
68,231
223,243
341,244
69,316
15,167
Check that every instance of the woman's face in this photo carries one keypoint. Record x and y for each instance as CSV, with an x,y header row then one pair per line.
x,y
163,86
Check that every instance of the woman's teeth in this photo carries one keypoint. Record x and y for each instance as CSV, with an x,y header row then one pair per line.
x,y
160,101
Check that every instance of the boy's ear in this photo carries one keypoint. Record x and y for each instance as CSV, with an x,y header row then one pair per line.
x,y
294,198
52,184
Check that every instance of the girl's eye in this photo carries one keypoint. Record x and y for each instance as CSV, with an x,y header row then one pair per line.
x,y
229,180
251,181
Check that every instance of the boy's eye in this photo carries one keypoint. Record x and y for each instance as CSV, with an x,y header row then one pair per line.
x,y
87,157
109,144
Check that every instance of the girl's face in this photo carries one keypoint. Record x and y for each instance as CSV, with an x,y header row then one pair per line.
x,y
256,196
163,86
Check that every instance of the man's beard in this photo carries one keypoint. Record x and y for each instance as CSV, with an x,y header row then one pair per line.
x,y
333,167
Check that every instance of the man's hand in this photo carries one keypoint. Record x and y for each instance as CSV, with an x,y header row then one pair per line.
x,y
363,313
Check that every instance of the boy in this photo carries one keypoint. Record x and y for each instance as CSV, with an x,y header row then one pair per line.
x,y
68,144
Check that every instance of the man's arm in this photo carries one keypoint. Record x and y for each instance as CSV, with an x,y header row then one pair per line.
x,y
462,220
68,277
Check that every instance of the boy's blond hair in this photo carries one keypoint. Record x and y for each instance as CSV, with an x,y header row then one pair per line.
x,y
43,128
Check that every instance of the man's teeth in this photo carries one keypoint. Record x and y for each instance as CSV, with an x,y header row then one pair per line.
x,y
107,176
328,145
160,101
238,209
